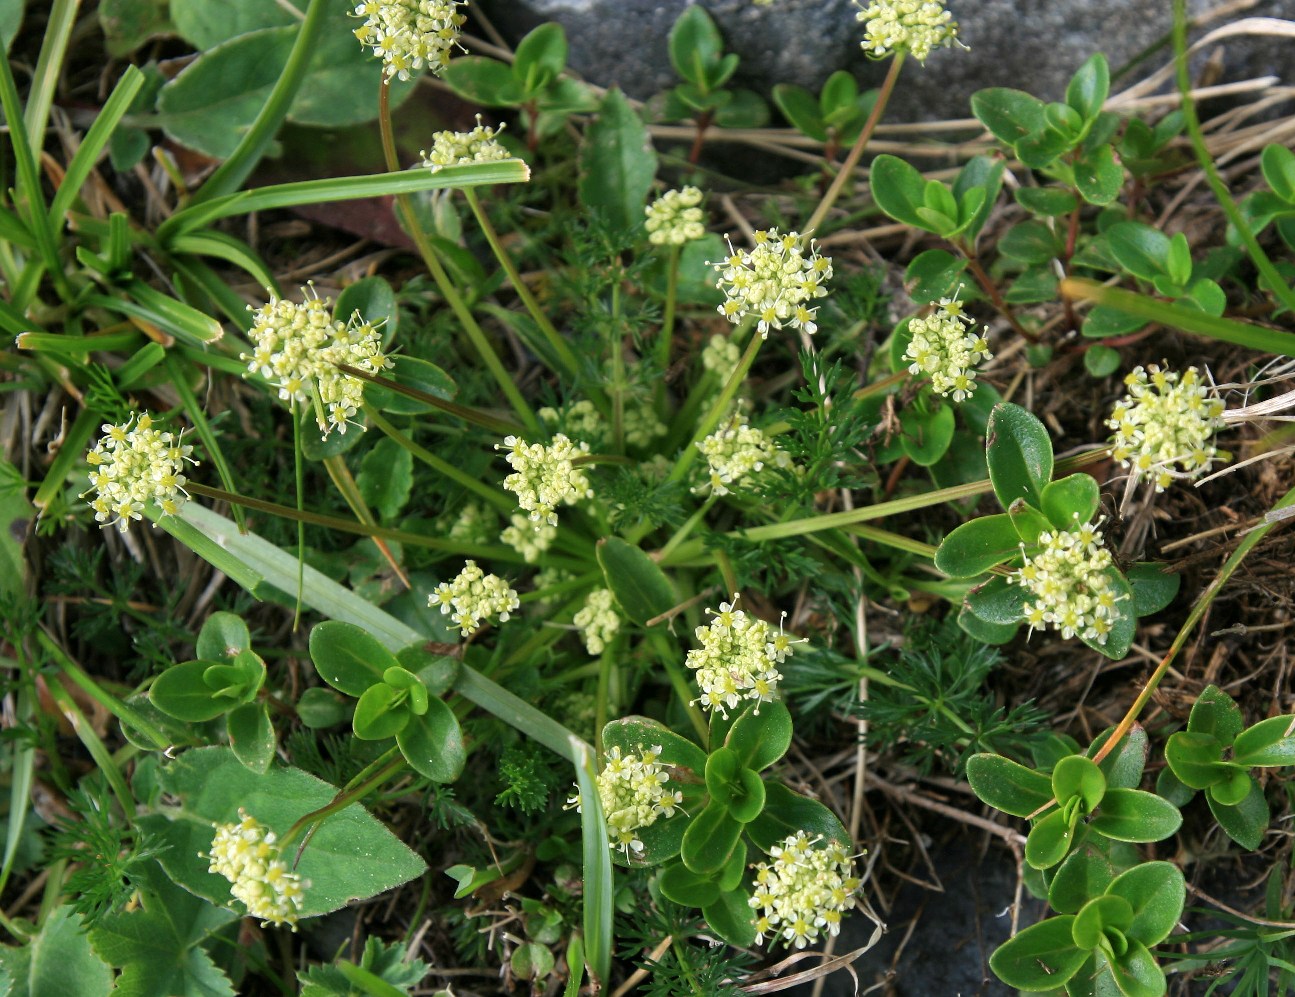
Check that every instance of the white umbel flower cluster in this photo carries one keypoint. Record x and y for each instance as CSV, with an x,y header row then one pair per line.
x,y
1165,424
133,464
675,217
528,537
803,891
738,659
460,148
632,789
545,477
598,621
248,855
472,596
297,347
917,26
775,282
410,35
1068,579
945,349
736,451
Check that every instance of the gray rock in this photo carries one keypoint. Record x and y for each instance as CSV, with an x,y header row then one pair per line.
x,y
1034,45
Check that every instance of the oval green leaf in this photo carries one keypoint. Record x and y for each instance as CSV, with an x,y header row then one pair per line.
x,y
1040,958
1135,815
1019,453
978,545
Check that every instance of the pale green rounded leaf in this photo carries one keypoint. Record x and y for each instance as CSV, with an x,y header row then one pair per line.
x,y
432,743
1007,785
1040,958
251,735
1135,815
1269,742
347,658
1155,891
1048,841
977,546
1019,452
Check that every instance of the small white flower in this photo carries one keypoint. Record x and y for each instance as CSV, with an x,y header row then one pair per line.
x,y
945,349
545,476
1068,579
460,148
472,596
633,792
1164,426
915,25
738,659
803,891
133,464
248,855
735,451
675,218
775,282
529,537
598,621
408,35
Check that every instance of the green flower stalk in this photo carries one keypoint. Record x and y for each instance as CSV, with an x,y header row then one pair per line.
x,y
472,597
803,892
248,854
410,35
1165,424
134,464
913,26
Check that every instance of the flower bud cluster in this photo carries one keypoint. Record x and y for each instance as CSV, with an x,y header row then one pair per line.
x,y
408,35
633,793
675,217
736,451
460,148
248,855
530,538
917,26
133,464
1069,581
545,477
720,356
474,524
472,597
598,620
738,659
803,891
1163,426
774,282
640,424
944,349
298,347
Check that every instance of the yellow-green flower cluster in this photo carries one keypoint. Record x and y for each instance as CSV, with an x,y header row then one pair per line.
x,y
133,464
775,282
803,891
675,217
472,597
1070,584
248,855
408,35
640,424
528,537
545,477
298,347
459,148
945,349
598,620
917,26
720,356
1165,424
632,789
475,524
735,451
738,659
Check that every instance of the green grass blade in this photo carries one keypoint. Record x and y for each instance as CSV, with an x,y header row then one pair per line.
x,y
71,453
182,321
599,884
49,66
231,250
30,199
198,417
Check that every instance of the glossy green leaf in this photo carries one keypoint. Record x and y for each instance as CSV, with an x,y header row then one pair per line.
x,y
1048,201
1040,958
223,635
418,375
1173,789
436,672
786,812
978,545
1142,250
1089,87
320,707
1007,785
1031,242
1137,973
56,962
1019,453
1233,789
1246,822
710,840
640,586
483,81
1134,815
801,109
379,714
690,889
747,799
1010,115
899,189
1152,588
635,734
351,855
758,739
1123,766
1124,625
1028,522
1048,841
934,274
1097,917
1269,742
540,56
617,162
1278,164
976,188
251,735
1102,322
432,743
181,692
1071,500
1085,873
998,601
732,918
1195,758
926,434
1156,891
371,300
347,658
1101,361
993,634
386,478
732,874
1098,177
1077,776
695,46
1217,714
